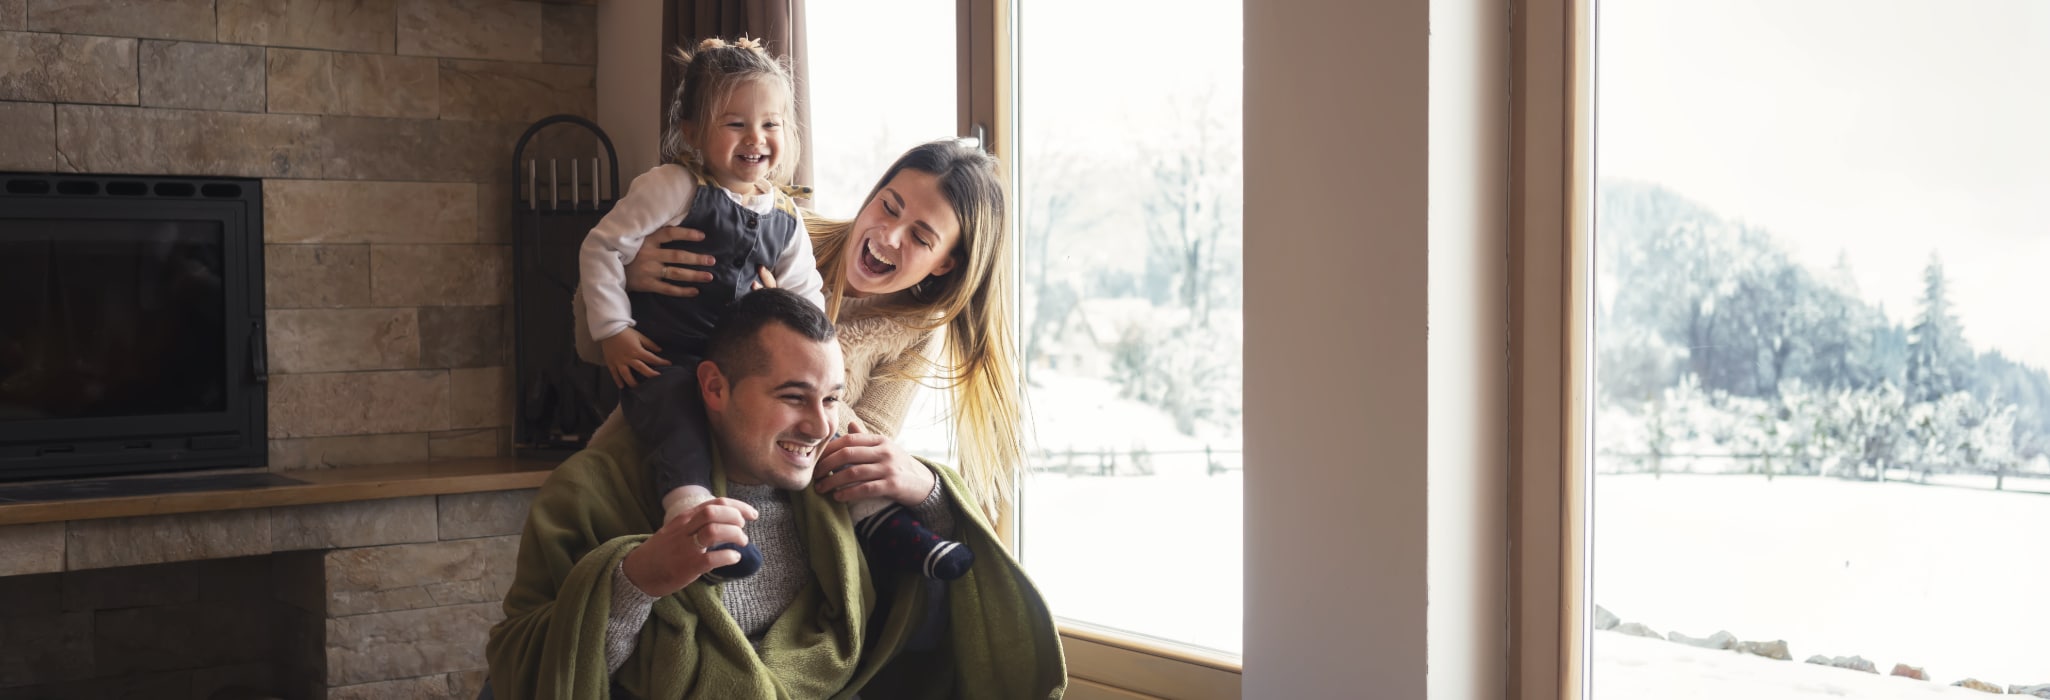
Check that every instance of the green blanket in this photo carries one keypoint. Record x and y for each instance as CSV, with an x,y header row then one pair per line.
x,y
846,631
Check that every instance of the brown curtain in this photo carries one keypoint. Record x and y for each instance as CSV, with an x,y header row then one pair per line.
x,y
778,24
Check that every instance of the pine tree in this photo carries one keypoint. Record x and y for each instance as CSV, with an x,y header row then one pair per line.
x,y
1939,361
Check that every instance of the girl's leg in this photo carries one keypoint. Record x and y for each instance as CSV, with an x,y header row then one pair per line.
x,y
668,416
889,532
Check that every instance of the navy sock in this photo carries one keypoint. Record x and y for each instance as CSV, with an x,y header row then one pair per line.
x,y
900,540
750,562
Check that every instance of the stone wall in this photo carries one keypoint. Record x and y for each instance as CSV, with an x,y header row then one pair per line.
x,y
372,599
383,131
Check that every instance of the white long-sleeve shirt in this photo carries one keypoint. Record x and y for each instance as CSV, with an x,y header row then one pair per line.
x,y
658,198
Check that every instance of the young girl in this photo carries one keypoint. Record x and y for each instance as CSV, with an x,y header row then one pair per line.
x,y
728,151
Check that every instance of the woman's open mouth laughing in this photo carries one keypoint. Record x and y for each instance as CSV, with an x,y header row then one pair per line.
x,y
873,263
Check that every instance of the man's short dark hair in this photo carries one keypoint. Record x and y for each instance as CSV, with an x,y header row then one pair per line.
x,y
736,344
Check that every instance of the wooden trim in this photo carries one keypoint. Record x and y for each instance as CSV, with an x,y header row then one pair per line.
x,y
1080,689
1575,610
1142,667
985,33
1549,164
337,485
984,72
1151,646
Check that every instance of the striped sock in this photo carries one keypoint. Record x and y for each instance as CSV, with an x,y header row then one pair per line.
x,y
899,539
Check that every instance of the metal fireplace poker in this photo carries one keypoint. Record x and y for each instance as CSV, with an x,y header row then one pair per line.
x,y
560,400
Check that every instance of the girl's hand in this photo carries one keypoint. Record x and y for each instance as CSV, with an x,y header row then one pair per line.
x,y
768,279
865,465
652,271
630,352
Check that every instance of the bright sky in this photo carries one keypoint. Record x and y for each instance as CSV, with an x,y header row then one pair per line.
x,y
885,69
882,81
1885,129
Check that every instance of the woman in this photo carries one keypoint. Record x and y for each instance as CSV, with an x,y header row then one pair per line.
x,y
917,283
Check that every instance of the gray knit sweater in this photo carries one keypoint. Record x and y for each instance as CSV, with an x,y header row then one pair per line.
x,y
755,601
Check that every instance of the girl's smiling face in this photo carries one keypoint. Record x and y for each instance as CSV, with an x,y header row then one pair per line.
x,y
743,142
906,233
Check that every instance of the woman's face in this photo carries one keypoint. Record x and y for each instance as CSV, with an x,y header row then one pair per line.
x,y
905,234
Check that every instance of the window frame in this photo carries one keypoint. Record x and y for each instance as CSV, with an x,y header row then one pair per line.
x,y
1102,662
1551,166
1551,121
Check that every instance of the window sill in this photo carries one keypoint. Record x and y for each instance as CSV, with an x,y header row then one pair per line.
x,y
1113,664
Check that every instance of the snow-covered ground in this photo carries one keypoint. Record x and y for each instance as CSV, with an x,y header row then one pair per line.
x,y
1159,554
2038,484
1952,580
1132,552
1630,668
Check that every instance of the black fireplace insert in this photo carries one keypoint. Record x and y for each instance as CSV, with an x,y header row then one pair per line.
x,y
131,324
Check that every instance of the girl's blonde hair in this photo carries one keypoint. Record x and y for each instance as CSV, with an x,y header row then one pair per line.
x,y
710,74
971,303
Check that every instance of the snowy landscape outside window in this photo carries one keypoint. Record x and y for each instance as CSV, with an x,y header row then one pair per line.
x,y
1821,412
1127,204
1129,201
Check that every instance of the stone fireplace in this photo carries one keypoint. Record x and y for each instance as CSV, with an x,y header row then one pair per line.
x,y
382,132
388,598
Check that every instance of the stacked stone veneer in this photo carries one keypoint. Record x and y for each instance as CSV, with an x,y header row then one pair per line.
x,y
372,599
383,131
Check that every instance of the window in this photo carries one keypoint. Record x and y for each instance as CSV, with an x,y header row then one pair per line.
x,y
1821,398
1128,207
900,54
882,79
1125,205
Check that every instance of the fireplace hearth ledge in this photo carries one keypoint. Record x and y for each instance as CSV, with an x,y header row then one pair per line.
x,y
338,507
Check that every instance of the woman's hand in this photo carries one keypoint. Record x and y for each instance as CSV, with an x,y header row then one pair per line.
x,y
865,465
629,352
652,268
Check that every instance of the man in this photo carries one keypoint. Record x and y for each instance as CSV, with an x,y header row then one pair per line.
x,y
600,605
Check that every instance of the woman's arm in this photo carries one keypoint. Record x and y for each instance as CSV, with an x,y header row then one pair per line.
x,y
797,271
655,199
652,270
893,382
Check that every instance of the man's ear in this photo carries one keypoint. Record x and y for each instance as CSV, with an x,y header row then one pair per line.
x,y
713,386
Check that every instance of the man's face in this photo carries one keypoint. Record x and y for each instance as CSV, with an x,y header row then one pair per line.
x,y
771,425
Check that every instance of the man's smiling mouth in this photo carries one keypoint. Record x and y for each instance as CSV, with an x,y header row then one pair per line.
x,y
796,448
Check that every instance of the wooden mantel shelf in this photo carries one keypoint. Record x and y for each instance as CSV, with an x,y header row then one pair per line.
x,y
336,485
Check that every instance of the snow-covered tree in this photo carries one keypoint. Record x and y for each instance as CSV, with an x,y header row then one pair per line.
x,y
1939,360
1052,219
1873,422
1193,208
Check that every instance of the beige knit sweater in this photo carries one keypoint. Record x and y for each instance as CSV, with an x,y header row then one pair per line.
x,y
887,362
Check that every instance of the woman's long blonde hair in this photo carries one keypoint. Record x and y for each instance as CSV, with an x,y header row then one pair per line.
x,y
972,304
